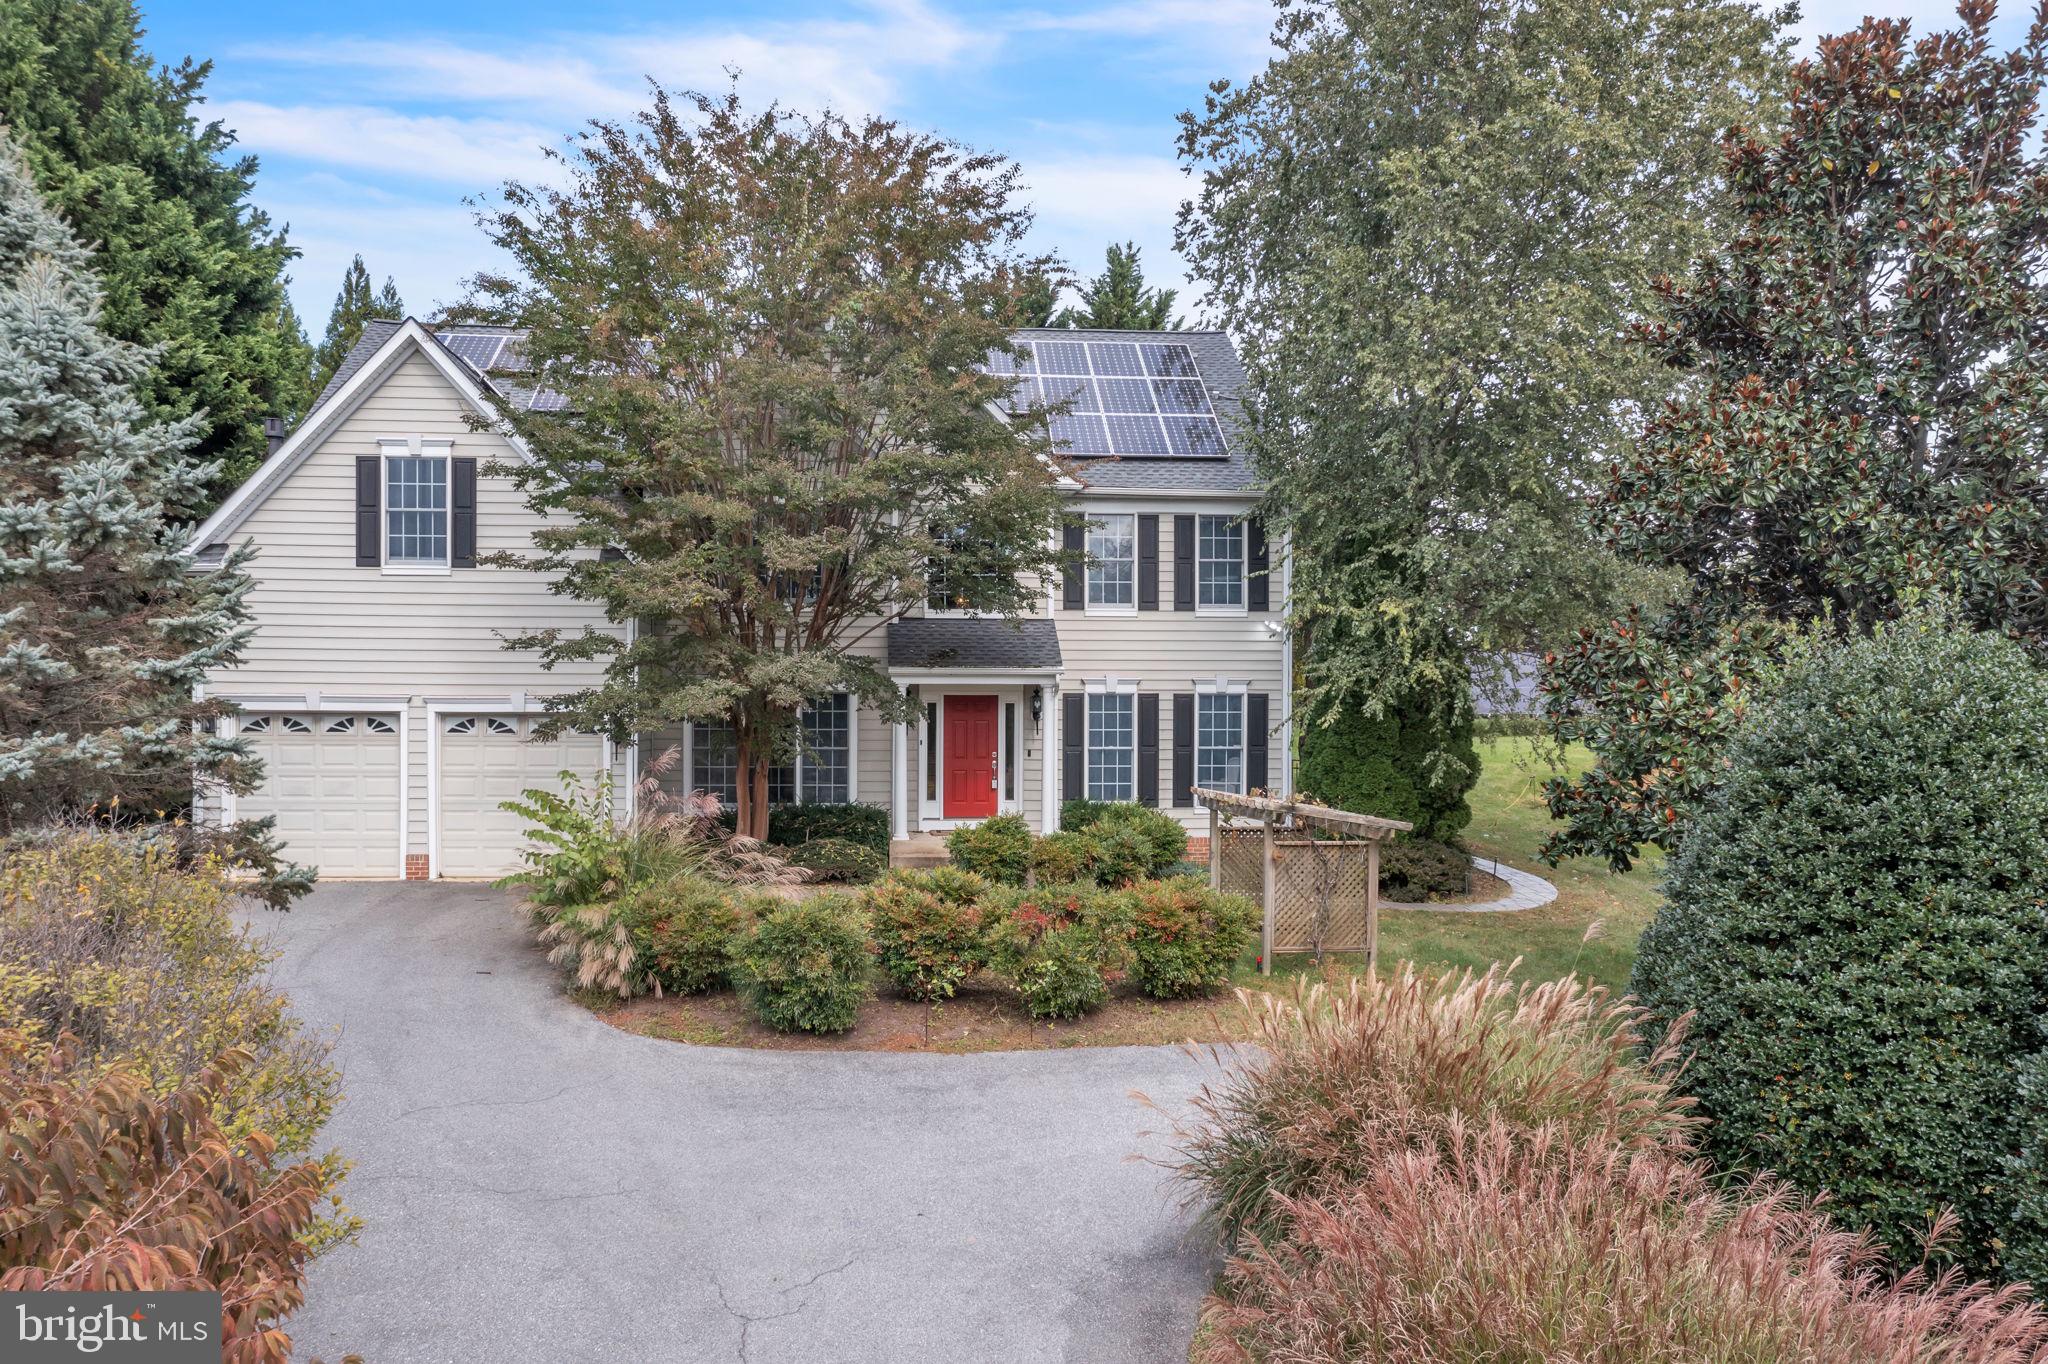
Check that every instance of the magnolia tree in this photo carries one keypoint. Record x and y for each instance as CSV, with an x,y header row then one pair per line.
x,y
1861,421
768,335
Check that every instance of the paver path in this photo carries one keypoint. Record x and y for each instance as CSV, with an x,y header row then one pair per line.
x,y
541,1187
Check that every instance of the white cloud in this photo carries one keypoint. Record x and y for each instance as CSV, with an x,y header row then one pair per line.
x,y
473,152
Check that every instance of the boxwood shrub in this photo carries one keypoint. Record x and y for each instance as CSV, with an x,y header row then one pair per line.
x,y
927,929
1857,924
804,968
1186,937
1416,869
840,859
792,826
998,848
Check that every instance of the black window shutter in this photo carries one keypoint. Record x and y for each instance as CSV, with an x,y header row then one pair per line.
x,y
1148,563
1148,748
1258,565
1074,583
1073,746
1183,563
369,478
462,513
1183,748
1255,723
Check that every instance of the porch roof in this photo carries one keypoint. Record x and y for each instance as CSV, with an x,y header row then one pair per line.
x,y
990,643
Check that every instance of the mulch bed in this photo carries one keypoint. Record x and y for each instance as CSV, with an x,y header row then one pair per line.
x,y
979,1018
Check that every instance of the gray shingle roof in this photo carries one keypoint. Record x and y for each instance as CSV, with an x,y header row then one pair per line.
x,y
1222,375
945,642
1215,357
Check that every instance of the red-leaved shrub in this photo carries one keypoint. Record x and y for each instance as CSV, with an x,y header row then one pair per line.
x,y
106,1187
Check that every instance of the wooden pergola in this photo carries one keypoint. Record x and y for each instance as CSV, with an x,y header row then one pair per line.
x,y
1271,815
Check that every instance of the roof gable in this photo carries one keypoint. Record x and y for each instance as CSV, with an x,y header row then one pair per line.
x,y
372,360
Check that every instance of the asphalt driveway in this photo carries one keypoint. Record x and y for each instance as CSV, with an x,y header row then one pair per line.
x,y
541,1187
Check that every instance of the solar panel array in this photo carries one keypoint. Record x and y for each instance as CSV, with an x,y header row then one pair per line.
x,y
496,355
1132,398
479,349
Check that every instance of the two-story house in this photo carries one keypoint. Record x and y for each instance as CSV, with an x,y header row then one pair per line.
x,y
393,722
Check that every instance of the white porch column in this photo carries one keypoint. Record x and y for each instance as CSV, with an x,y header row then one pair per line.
x,y
899,781
1049,757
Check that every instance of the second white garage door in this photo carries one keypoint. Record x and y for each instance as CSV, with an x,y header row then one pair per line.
x,y
486,760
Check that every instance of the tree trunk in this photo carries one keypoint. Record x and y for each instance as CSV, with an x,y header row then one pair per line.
x,y
751,790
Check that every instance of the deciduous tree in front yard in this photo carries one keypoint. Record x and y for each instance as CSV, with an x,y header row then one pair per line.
x,y
1427,226
1862,417
767,333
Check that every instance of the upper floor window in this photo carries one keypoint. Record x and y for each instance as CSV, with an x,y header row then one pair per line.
x,y
1113,561
1219,563
416,511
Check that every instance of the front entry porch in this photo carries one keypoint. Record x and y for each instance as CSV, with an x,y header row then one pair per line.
x,y
986,733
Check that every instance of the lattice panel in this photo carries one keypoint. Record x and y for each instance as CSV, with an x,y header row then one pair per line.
x,y
1304,872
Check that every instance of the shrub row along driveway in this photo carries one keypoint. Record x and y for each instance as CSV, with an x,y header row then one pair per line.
x,y
539,1186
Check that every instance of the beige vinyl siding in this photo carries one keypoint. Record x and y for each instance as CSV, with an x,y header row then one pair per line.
x,y
325,625
1168,651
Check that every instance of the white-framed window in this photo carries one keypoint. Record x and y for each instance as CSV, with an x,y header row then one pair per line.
x,y
1113,562
821,772
825,764
1219,740
1219,563
415,510
1112,745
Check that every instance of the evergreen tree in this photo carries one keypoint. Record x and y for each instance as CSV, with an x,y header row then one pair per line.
x,y
1118,299
1859,428
186,265
353,306
291,337
107,625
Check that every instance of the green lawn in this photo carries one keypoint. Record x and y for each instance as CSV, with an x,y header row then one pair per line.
x,y
1509,822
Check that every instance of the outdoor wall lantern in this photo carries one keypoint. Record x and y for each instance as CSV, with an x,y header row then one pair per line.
x,y
1037,705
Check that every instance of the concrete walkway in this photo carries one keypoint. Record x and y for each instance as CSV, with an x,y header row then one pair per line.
x,y
540,1187
1525,891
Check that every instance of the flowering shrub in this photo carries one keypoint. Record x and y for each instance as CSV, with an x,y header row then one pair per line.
x,y
1187,937
111,1184
927,929
998,848
804,968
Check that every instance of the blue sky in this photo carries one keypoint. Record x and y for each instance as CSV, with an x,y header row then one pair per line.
x,y
374,120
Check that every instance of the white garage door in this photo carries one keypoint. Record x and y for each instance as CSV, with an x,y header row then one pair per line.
x,y
487,760
331,782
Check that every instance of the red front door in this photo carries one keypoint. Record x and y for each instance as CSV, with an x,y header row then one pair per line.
x,y
970,755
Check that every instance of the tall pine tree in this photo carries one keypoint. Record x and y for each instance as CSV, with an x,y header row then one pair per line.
x,y
354,305
1118,298
106,623
186,265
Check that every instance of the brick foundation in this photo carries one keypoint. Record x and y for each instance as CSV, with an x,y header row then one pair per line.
x,y
415,866
1198,848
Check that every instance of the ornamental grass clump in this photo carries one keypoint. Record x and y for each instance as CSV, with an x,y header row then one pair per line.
x,y
1344,1077
1503,1243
